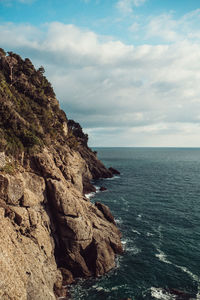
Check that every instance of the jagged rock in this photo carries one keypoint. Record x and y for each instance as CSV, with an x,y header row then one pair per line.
x,y
106,212
102,189
34,189
114,171
67,277
88,187
11,189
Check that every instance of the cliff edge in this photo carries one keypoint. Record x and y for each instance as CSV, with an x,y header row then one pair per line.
x,y
50,233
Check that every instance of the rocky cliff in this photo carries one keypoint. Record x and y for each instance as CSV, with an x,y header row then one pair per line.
x,y
50,233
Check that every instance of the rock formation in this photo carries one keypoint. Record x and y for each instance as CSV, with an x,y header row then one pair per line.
x,y
50,233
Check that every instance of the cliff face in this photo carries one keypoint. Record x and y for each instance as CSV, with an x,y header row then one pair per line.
x,y
50,232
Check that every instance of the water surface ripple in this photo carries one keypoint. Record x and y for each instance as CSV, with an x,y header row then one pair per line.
x,y
156,201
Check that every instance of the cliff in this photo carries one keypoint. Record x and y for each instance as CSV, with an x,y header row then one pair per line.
x,y
50,233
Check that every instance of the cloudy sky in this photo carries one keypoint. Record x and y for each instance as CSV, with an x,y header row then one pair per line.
x,y
127,70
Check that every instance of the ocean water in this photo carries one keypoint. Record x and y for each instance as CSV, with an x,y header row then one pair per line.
x,y
156,202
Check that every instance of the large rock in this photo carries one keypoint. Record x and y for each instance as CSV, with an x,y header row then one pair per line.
x,y
106,212
11,189
47,222
114,171
82,228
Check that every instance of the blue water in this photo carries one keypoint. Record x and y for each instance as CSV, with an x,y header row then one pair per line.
x,y
156,201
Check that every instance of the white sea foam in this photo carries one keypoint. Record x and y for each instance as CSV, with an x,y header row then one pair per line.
x,y
90,195
124,242
118,221
135,231
159,293
128,247
113,178
139,217
162,256
97,188
114,288
133,249
99,288
194,277
149,234
124,200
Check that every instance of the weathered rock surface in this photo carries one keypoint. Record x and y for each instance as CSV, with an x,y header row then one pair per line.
x,y
47,223
28,268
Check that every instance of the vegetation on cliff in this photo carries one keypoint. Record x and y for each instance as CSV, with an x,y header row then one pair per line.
x,y
30,116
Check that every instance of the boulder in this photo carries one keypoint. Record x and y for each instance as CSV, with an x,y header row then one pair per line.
x,y
102,189
106,212
67,277
88,187
114,171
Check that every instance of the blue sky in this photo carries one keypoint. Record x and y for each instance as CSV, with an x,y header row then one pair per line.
x,y
127,70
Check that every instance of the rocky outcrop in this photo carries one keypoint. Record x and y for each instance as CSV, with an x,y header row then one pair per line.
x,y
81,228
47,224
103,189
114,171
50,233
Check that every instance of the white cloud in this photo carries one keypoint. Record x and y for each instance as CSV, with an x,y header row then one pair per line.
x,y
134,27
126,6
138,2
123,94
167,28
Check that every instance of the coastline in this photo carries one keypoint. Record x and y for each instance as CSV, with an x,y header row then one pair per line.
x,y
50,232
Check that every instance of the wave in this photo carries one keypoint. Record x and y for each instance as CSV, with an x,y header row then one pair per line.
x,y
159,293
163,258
118,221
97,188
194,277
129,247
139,217
168,294
149,234
135,231
92,194
113,178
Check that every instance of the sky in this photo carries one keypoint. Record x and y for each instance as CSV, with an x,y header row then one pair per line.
x,y
127,70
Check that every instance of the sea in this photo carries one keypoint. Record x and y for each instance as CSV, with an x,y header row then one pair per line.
x,y
156,204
